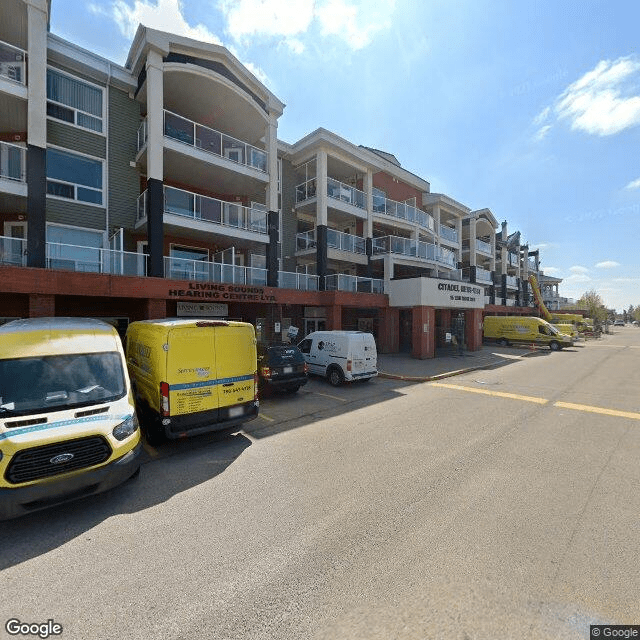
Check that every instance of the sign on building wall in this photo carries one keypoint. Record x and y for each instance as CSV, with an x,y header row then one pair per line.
x,y
202,309
433,292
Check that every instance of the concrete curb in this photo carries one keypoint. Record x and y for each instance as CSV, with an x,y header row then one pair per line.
x,y
438,376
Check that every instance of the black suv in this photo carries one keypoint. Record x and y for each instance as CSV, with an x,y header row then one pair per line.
x,y
281,367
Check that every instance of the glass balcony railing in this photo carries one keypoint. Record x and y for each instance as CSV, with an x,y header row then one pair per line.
x,y
69,257
300,281
355,284
483,275
346,193
513,259
191,205
510,302
447,257
403,211
306,240
512,281
532,264
487,299
13,63
215,142
483,247
142,134
13,251
13,162
346,242
405,247
206,271
448,233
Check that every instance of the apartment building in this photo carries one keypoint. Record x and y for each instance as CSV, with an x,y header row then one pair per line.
x,y
160,189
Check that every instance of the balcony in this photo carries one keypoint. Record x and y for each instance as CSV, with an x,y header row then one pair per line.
x,y
403,211
405,247
211,210
306,240
205,271
143,132
532,264
355,284
346,242
335,189
215,142
13,251
13,63
483,247
483,275
512,282
487,299
513,260
13,162
300,281
448,233
510,302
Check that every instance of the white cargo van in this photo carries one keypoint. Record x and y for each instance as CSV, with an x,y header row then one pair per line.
x,y
341,356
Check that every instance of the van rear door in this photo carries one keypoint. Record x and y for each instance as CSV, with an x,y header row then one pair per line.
x,y
236,368
358,355
191,371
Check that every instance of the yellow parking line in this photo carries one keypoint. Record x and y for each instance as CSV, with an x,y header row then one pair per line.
x,y
261,415
150,450
606,412
326,395
486,392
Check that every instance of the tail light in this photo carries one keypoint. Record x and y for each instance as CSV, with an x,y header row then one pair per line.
x,y
266,372
306,368
164,398
348,365
255,386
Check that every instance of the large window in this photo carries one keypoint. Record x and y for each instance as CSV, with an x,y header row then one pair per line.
x,y
74,101
74,177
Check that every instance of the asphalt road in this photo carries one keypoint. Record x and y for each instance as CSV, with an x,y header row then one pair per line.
x,y
496,504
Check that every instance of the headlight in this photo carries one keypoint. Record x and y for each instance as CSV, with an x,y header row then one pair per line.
x,y
126,428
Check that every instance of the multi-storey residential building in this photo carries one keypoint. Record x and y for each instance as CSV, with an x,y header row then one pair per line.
x,y
160,189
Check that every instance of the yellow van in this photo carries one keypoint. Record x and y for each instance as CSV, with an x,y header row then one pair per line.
x,y
192,376
68,427
568,329
524,329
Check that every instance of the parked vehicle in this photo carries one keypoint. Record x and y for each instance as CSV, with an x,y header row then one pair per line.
x,y
341,356
524,329
68,427
281,367
618,323
192,376
568,329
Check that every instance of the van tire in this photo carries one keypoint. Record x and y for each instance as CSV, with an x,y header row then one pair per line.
x,y
503,342
554,346
292,389
149,424
335,376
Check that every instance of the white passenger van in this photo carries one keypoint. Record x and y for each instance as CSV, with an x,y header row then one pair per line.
x,y
341,356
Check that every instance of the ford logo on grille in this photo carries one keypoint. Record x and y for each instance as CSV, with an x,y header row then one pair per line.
x,y
63,457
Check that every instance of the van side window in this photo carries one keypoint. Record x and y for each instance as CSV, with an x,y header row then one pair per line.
x,y
541,330
305,346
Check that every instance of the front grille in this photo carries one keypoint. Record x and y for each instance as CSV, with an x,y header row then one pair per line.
x,y
35,463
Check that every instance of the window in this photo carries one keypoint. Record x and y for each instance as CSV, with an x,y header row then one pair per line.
x,y
74,101
74,177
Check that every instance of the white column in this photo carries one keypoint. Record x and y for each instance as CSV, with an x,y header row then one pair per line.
x,y
37,70
473,261
271,138
525,263
388,270
459,230
321,188
493,252
504,255
155,116
368,194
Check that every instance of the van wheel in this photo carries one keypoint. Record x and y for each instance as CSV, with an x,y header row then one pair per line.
x,y
335,376
149,423
503,342
554,346
292,389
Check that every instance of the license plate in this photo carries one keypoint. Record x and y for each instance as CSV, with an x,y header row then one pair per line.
x,y
287,370
234,412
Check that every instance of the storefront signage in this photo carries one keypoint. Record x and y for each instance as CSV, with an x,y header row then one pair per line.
x,y
202,309
226,292
434,292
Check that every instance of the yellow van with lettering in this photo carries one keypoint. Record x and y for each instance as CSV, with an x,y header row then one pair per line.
x,y
506,330
568,329
68,427
192,376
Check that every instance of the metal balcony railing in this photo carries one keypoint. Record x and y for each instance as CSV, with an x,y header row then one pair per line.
x,y
355,284
215,142
13,162
300,281
13,63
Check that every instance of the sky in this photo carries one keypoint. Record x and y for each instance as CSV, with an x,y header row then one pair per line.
x,y
531,109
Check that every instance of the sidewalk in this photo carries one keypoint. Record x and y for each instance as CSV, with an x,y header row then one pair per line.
x,y
401,366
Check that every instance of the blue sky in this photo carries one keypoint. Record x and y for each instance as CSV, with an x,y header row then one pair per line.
x,y
531,109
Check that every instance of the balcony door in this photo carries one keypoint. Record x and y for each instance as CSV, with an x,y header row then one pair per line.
x,y
14,243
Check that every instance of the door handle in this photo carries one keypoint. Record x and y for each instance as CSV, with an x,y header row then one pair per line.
x,y
228,384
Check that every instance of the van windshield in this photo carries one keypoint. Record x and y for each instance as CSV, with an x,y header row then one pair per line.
x,y
54,383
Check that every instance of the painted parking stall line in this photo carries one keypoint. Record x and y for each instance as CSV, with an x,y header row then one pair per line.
x,y
486,392
601,410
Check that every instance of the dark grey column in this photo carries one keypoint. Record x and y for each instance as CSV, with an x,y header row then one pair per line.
x,y
525,293
272,249
504,288
473,274
369,250
36,206
321,254
155,229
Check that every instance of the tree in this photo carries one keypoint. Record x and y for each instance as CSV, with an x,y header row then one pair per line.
x,y
592,302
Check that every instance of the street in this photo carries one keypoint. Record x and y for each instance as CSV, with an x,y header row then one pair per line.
x,y
500,503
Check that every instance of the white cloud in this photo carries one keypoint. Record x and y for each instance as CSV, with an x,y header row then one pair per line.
x,y
254,68
607,264
551,270
354,21
604,101
165,15
634,184
578,269
576,277
542,132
